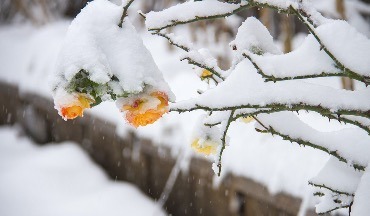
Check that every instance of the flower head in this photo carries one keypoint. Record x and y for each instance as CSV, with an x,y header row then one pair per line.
x,y
146,109
247,119
76,108
207,147
205,74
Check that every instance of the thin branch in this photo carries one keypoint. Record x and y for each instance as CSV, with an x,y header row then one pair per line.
x,y
181,46
190,60
242,7
349,121
333,209
124,13
223,140
210,69
273,107
269,78
300,141
331,189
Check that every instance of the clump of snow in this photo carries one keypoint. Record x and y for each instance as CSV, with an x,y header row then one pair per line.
x,y
187,11
307,59
361,202
338,176
354,46
245,88
61,180
350,143
109,54
254,37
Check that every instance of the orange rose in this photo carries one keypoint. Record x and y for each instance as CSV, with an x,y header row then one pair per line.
x,y
76,108
147,109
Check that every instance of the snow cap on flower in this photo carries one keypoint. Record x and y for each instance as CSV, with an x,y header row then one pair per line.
x,y
70,106
247,119
206,140
144,108
206,147
109,62
205,74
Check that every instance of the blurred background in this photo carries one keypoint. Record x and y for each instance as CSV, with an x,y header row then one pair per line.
x,y
97,165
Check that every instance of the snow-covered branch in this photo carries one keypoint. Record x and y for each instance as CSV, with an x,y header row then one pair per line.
x,y
336,143
347,58
199,58
194,11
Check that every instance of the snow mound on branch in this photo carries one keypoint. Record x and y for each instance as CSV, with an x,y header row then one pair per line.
x,y
350,143
254,36
97,44
245,88
338,176
307,59
348,45
361,202
187,11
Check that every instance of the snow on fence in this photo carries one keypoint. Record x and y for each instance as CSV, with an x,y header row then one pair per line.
x,y
138,161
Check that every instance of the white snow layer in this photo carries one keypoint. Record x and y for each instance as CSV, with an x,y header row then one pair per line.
x,y
351,144
95,43
187,11
253,36
338,176
348,45
361,202
61,180
315,61
245,87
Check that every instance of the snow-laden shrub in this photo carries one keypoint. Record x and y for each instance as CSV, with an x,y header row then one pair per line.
x,y
103,58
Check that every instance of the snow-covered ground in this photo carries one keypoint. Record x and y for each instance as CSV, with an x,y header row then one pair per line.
x,y
28,56
61,180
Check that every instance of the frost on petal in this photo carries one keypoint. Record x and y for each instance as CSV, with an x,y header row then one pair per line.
x,y
247,119
144,109
206,147
71,106
206,140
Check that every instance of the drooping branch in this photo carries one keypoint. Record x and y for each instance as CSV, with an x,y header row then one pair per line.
x,y
124,12
223,141
348,120
171,41
303,142
333,209
330,189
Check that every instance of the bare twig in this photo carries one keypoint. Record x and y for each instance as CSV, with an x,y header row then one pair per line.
x,y
124,12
